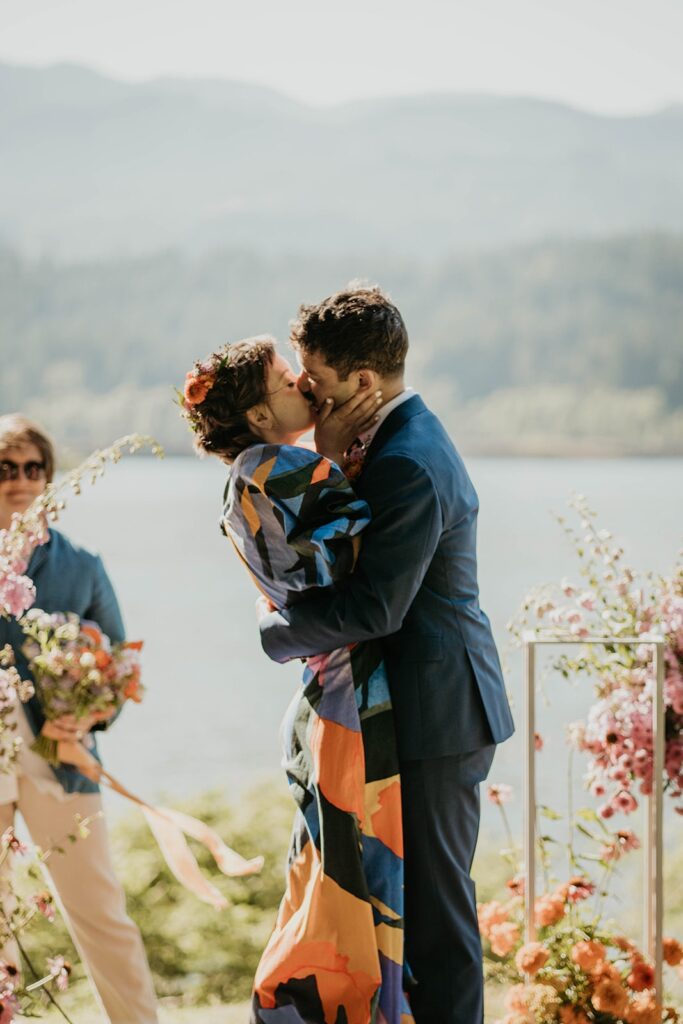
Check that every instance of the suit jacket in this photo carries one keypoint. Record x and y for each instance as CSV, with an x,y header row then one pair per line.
x,y
67,579
415,585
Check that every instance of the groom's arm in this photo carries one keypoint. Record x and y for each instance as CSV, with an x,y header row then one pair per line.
x,y
396,550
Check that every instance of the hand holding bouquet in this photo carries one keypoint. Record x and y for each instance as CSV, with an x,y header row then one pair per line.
x,y
79,674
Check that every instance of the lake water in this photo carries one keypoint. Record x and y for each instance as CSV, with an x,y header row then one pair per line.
x,y
214,701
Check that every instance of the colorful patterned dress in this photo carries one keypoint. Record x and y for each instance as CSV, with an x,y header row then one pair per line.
x,y
336,954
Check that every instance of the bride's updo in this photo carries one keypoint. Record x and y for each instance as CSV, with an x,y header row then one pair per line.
x,y
220,389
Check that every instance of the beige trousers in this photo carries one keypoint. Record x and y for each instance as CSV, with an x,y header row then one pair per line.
x,y
92,900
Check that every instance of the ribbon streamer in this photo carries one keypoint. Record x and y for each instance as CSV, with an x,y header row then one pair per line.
x,y
169,828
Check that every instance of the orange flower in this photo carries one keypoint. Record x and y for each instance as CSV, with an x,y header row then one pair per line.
x,y
609,997
503,937
197,387
644,1009
531,957
549,909
573,1015
132,690
621,942
588,954
642,975
673,952
134,645
102,659
489,914
94,634
605,971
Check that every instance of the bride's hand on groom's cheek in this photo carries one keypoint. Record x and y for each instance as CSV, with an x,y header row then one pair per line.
x,y
336,428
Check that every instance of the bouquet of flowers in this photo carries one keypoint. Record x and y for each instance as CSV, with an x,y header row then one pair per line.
x,y
77,670
579,969
614,601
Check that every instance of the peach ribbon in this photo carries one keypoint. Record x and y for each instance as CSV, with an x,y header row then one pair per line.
x,y
169,828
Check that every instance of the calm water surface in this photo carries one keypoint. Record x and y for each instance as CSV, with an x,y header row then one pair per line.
x,y
214,701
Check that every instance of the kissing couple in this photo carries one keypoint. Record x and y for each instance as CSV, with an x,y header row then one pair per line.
x,y
364,550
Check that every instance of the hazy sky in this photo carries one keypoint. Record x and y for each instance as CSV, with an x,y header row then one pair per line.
x,y
616,56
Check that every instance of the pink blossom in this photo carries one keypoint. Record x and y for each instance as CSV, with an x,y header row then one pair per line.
x,y
587,600
59,969
17,593
499,793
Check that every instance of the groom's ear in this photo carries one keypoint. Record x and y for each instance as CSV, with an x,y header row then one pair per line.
x,y
368,379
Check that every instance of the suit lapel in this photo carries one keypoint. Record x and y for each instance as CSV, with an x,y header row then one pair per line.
x,y
393,423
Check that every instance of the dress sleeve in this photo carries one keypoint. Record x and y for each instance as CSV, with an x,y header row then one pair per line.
x,y
320,516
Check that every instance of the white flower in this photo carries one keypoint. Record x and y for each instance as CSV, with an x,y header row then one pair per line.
x,y
87,660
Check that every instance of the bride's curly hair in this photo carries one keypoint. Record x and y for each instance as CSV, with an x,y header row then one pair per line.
x,y
220,389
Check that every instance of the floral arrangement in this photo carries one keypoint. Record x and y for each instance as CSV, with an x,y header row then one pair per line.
x,y
579,970
77,670
614,601
22,993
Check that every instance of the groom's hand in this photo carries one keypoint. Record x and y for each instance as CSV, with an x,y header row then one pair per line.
x,y
336,428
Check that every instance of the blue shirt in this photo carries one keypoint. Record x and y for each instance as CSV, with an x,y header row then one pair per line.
x,y
67,579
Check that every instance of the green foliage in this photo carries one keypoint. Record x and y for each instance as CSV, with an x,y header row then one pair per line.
x,y
198,954
561,347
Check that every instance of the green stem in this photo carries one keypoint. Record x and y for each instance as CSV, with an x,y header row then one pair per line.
x,y
31,968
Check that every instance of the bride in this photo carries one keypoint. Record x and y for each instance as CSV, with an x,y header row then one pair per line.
x,y
336,953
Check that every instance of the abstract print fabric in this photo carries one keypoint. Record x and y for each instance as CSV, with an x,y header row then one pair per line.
x,y
336,953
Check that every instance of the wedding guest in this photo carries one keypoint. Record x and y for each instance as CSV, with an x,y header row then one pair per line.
x,y
68,579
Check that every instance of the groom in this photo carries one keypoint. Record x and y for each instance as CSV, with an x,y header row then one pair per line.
x,y
415,585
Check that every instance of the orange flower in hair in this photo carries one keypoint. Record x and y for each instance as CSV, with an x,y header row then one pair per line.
x,y
197,387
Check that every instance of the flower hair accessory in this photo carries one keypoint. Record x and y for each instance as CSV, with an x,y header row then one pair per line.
x,y
198,383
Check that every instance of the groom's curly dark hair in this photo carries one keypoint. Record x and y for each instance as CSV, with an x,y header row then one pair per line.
x,y
354,329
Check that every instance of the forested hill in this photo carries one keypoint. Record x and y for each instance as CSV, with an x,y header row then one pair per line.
x,y
92,166
561,347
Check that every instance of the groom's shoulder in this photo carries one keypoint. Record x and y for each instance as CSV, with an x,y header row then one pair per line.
x,y
421,438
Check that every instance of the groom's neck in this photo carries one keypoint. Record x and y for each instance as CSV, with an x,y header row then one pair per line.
x,y
391,388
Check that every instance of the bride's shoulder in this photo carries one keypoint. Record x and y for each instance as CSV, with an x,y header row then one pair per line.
x,y
272,460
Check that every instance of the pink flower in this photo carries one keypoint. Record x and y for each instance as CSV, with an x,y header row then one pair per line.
x,y
626,802
499,793
45,904
9,1007
624,841
59,969
10,841
538,741
17,593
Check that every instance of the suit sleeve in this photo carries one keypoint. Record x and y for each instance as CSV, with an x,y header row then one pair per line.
x,y
396,551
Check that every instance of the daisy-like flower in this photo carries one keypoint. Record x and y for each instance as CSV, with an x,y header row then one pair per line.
x,y
44,903
59,969
499,793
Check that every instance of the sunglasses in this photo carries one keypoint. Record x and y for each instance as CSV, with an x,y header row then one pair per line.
x,y
10,470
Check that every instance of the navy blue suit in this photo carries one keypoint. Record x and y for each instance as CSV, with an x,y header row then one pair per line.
x,y
415,585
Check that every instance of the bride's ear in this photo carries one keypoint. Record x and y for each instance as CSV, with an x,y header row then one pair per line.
x,y
258,418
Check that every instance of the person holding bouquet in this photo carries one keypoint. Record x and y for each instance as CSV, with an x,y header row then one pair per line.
x,y
68,579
